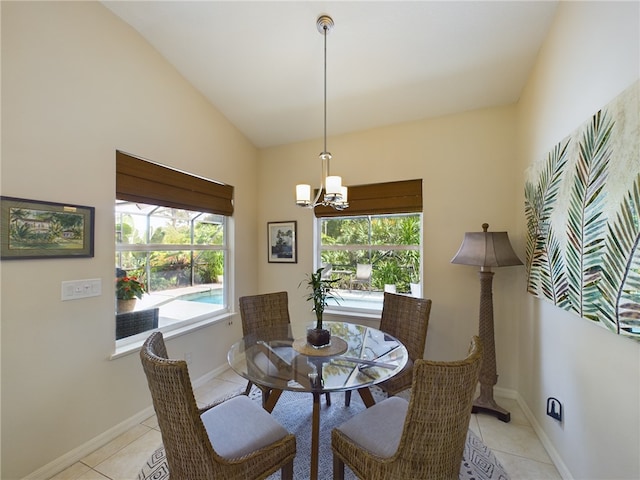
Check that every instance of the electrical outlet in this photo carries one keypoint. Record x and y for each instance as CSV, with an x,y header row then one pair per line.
x,y
554,408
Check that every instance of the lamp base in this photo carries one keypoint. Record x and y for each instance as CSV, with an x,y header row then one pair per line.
x,y
486,404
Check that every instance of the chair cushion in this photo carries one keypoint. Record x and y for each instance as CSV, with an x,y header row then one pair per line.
x,y
239,426
378,429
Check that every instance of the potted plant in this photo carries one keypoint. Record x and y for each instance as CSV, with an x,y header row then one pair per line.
x,y
128,289
320,292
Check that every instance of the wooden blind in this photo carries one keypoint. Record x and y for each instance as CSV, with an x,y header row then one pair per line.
x,y
142,181
379,198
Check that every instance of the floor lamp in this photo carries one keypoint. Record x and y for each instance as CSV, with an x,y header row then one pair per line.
x,y
486,250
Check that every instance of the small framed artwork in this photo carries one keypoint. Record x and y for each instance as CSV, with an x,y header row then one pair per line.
x,y
36,229
283,246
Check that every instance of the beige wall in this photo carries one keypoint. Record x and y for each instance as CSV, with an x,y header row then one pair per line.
x,y
590,56
467,163
77,84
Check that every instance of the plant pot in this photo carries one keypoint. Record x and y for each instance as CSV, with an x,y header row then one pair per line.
x,y
124,306
318,337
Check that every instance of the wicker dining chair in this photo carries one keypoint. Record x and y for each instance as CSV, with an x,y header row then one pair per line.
x,y
233,439
405,318
422,438
266,316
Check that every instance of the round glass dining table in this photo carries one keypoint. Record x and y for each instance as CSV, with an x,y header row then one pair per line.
x,y
357,358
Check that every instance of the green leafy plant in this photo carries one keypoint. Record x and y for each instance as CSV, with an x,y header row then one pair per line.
x,y
128,288
319,293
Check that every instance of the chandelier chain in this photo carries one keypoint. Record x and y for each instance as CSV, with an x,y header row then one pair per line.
x,y
325,29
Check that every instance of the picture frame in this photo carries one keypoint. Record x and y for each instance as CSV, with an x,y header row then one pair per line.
x,y
40,229
282,242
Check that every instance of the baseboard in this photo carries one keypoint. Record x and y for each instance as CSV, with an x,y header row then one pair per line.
x,y
503,392
59,464
209,376
546,443
65,461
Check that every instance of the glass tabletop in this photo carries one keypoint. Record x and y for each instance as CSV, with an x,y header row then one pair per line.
x,y
365,356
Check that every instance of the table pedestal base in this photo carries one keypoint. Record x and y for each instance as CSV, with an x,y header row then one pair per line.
x,y
274,395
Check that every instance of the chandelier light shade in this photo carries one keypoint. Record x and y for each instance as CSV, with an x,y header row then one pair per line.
x,y
486,250
331,191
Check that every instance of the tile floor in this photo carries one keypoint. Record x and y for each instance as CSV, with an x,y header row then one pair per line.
x,y
515,443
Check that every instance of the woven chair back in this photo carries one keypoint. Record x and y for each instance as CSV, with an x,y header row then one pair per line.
x,y
407,319
265,315
437,421
188,449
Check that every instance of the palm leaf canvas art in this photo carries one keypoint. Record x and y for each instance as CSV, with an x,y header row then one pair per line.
x,y
582,207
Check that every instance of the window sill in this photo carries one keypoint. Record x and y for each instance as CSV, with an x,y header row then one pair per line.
x,y
352,312
133,344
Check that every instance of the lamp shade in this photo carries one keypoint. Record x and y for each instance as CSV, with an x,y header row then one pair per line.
x,y
486,249
333,185
303,194
345,193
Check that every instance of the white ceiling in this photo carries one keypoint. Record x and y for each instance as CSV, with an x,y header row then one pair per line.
x,y
261,63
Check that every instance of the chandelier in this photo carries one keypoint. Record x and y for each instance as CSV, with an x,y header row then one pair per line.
x,y
331,192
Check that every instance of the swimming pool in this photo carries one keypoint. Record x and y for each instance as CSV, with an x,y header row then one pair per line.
x,y
210,296
357,302
370,301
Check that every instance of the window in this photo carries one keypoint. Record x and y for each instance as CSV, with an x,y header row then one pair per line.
x,y
179,255
171,232
376,247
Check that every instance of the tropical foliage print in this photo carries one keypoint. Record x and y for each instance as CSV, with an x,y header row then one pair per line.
x,y
580,257
544,263
619,283
586,222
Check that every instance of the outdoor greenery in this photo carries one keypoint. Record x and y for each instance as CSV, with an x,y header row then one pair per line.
x,y
184,248
169,261
390,243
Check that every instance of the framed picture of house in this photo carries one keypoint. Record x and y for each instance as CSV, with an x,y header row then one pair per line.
x,y
37,229
283,247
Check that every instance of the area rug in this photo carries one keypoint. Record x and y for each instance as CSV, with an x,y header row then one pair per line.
x,y
294,411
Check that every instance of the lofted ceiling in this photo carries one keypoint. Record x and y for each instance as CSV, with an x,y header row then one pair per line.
x,y
261,63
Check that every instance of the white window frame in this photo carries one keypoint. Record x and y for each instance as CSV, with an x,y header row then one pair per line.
x,y
371,311
131,343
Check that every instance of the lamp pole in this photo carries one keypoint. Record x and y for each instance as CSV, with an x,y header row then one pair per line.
x,y
487,249
488,370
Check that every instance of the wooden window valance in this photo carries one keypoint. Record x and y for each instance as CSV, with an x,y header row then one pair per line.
x,y
142,181
379,198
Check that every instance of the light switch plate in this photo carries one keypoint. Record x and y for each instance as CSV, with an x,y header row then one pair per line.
x,y
77,289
